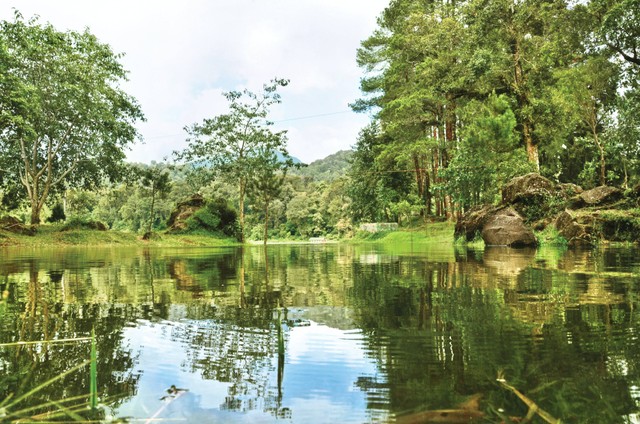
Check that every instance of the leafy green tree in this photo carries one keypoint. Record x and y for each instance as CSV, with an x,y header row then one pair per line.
x,y
620,28
80,204
375,184
523,43
416,74
267,181
57,213
488,155
155,182
111,205
588,93
231,142
65,120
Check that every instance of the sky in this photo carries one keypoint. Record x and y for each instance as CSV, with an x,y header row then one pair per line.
x,y
182,55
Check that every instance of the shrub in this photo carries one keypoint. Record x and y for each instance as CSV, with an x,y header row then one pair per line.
x,y
215,216
57,213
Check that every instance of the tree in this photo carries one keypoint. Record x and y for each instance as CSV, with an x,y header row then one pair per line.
x,y
588,92
488,155
65,122
526,41
231,142
376,182
620,28
156,183
267,181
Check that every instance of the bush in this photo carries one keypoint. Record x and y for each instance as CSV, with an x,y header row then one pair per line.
x,y
83,224
57,213
215,216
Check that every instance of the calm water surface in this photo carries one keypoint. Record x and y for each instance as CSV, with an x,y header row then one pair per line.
x,y
322,333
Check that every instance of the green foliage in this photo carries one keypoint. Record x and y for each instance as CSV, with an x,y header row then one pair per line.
x,y
78,223
266,184
330,168
155,184
57,213
80,204
61,101
233,142
375,182
488,155
620,225
550,237
216,216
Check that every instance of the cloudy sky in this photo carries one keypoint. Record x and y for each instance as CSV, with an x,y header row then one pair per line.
x,y
182,55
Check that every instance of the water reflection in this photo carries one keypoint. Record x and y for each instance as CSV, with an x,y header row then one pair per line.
x,y
326,333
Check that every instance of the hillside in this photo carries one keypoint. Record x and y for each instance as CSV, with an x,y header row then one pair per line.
x,y
329,168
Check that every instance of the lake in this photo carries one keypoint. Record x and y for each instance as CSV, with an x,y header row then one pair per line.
x,y
328,333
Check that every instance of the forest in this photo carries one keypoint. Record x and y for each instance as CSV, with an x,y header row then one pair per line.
x,y
463,96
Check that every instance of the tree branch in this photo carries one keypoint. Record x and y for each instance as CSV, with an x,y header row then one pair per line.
x,y
633,59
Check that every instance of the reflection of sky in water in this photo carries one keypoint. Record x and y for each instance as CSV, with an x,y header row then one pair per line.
x,y
322,365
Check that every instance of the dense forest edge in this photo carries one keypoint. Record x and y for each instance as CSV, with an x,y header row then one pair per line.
x,y
465,98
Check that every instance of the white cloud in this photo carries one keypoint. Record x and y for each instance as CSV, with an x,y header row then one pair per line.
x,y
182,54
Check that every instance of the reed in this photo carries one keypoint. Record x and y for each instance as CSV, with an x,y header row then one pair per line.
x,y
93,371
71,407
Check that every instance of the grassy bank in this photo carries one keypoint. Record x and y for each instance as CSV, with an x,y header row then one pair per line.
x,y
55,235
432,233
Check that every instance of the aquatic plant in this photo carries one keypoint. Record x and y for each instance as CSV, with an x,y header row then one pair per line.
x,y
12,408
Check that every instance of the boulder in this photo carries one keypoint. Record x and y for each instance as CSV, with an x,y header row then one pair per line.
x,y
183,211
527,187
568,190
598,196
471,223
576,232
14,225
506,227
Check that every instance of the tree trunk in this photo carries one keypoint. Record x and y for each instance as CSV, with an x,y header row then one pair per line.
x,y
153,201
603,175
266,222
36,209
243,186
532,148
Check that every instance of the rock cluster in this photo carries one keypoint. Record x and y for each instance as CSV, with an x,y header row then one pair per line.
x,y
532,201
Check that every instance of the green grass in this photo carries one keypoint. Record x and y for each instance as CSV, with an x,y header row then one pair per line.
x,y
54,235
432,233
550,237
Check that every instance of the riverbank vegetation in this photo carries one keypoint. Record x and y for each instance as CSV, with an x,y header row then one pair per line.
x,y
464,96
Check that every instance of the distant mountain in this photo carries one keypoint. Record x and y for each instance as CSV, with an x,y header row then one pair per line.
x,y
329,168
293,158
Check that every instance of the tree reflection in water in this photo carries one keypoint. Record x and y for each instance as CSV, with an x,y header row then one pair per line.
x,y
363,332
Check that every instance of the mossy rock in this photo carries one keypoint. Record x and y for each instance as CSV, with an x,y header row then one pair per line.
x,y
14,225
527,188
575,229
618,225
506,227
586,227
599,196
535,197
470,225
184,210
